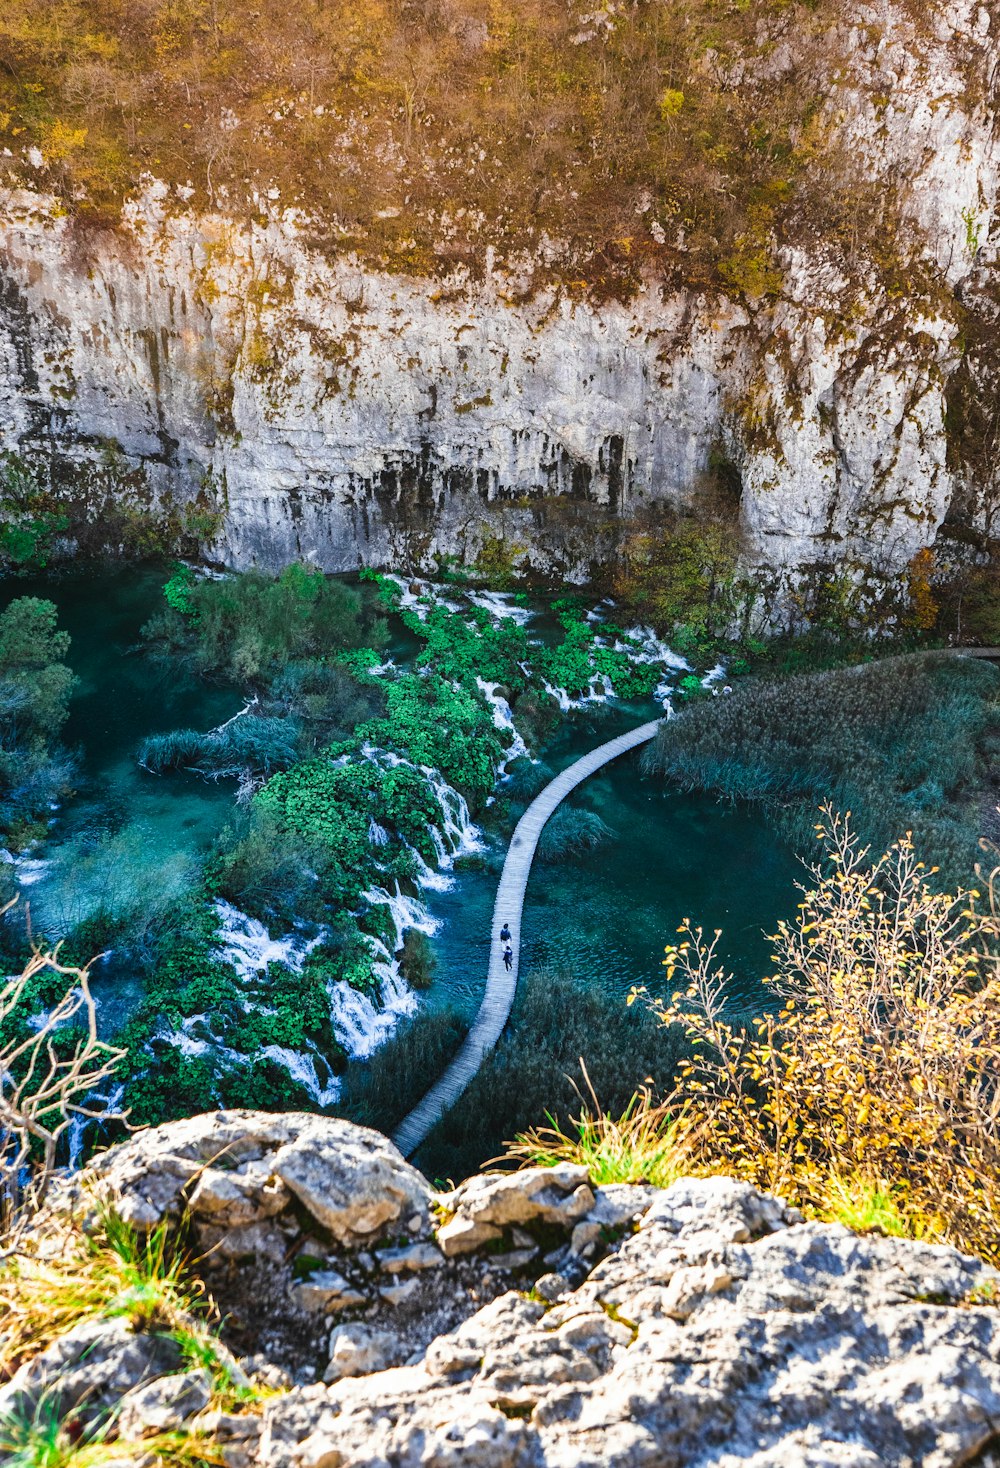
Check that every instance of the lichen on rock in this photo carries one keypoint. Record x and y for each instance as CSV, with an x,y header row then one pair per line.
x,y
710,1324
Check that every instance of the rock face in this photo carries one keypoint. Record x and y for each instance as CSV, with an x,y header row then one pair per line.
x,y
347,416
236,1174
709,1325
719,1333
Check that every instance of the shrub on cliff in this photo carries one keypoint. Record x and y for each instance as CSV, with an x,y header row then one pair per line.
x,y
873,1081
685,581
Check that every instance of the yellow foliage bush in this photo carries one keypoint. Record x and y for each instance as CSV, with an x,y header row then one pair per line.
x,y
872,1090
59,141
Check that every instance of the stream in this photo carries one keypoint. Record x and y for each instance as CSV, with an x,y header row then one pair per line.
x,y
605,914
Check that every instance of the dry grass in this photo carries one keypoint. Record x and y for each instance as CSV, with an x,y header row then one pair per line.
x,y
649,1142
421,131
64,1275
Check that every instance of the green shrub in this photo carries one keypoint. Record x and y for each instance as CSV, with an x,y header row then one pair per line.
x,y
571,832
260,745
418,962
35,688
249,627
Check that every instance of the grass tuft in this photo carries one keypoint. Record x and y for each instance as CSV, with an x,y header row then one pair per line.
x,y
649,1142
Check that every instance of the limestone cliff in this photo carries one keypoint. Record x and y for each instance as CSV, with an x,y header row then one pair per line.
x,y
346,415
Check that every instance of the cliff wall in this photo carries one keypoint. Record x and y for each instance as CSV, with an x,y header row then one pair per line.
x,y
347,415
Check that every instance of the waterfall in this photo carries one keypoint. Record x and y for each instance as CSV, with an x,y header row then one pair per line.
x,y
249,947
110,1106
406,912
460,833
361,1027
377,835
503,719
302,1068
500,604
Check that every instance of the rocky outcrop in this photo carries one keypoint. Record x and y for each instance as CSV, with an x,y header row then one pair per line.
x,y
238,1176
343,415
702,1324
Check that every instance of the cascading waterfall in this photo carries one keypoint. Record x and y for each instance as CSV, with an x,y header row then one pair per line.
x,y
359,1023
302,1068
249,947
106,1105
503,718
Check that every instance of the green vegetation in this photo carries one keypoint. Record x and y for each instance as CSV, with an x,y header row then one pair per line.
x,y
536,1071
570,832
259,745
684,580
647,1143
905,743
29,518
417,962
248,628
35,685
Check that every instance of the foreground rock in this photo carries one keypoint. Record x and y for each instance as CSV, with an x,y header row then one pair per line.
x,y
708,1325
239,1175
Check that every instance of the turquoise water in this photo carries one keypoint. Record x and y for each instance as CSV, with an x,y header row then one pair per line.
x,y
127,837
607,915
124,835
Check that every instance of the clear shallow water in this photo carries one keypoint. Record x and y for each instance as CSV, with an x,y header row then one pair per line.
x,y
124,834
127,835
607,915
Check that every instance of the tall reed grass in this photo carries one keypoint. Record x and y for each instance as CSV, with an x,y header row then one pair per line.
x,y
904,743
535,1072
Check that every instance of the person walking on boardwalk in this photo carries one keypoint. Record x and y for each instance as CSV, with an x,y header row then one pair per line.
x,y
508,958
505,933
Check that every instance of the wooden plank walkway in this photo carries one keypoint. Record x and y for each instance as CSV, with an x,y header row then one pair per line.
x,y
500,985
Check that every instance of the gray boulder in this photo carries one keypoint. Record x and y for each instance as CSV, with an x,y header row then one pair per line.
x,y
234,1170
163,1405
481,1207
89,1370
723,1332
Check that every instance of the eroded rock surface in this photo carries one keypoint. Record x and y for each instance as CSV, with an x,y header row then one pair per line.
x,y
234,1171
352,416
704,1324
723,1331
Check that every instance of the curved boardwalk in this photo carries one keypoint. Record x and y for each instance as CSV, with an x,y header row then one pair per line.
x,y
500,985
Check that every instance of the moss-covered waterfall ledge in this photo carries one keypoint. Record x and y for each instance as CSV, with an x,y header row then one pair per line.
x,y
533,1319
501,981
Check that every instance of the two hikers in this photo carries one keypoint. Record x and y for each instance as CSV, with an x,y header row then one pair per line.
x,y
508,953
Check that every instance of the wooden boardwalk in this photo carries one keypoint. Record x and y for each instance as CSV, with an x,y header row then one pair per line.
x,y
500,985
